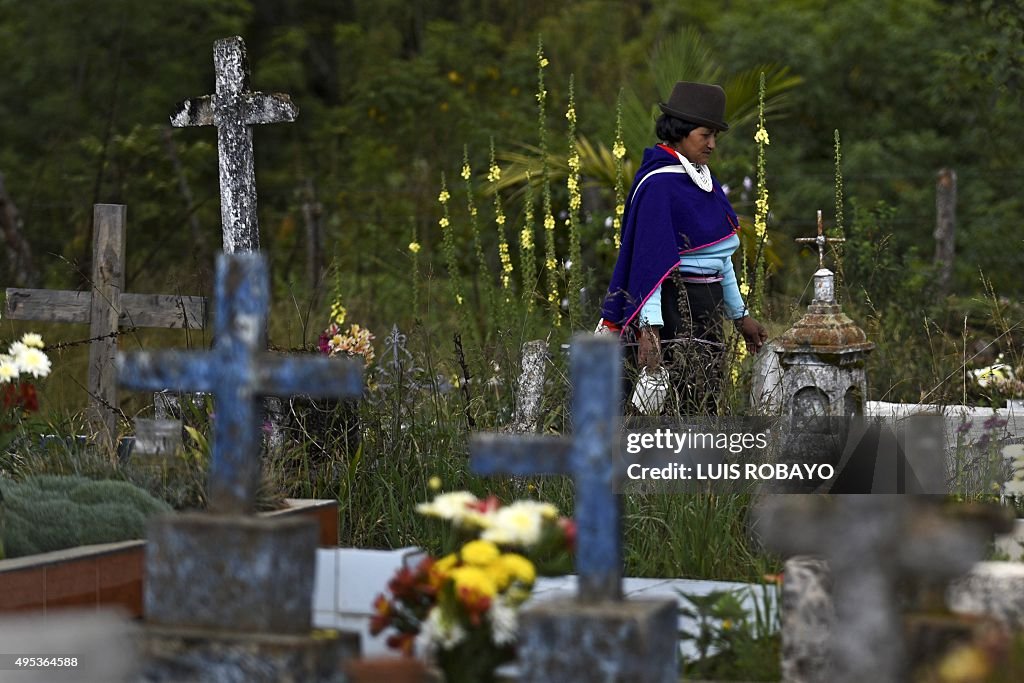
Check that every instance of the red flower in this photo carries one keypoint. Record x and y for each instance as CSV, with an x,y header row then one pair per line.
x,y
488,504
382,612
568,527
401,641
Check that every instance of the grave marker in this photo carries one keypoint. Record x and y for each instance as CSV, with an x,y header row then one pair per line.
x,y
869,542
627,640
229,594
107,308
234,110
239,371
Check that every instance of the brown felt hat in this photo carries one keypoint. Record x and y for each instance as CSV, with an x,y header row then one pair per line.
x,y
700,103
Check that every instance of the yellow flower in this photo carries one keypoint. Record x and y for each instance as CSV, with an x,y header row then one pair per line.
x,y
472,211
618,150
745,288
726,624
466,172
520,568
444,196
500,219
549,222
761,135
543,62
571,115
434,483
458,299
443,222
473,580
550,264
414,247
338,313
479,553
526,238
493,173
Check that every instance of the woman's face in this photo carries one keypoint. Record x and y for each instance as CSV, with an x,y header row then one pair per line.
x,y
698,145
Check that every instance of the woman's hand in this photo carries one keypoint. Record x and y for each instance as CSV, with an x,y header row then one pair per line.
x,y
753,332
649,351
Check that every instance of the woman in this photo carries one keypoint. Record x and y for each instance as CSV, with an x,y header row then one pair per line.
x,y
674,278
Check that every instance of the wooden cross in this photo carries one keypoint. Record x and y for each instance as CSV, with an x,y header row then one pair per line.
x,y
821,240
596,370
106,308
870,542
234,109
239,371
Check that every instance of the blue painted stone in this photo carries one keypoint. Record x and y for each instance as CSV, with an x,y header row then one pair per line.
x,y
596,370
239,371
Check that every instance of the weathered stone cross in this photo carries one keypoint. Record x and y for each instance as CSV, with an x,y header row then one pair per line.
x,y
821,240
595,368
234,109
106,308
239,371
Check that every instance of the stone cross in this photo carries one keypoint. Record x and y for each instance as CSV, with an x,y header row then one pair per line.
x,y
596,369
239,371
234,109
106,308
821,240
869,542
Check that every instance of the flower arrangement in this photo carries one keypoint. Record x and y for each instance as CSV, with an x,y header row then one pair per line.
x,y
24,358
356,341
462,608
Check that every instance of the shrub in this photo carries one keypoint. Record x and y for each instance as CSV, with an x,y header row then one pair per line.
x,y
48,512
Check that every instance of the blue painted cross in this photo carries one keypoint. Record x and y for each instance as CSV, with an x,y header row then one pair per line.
x,y
595,368
238,371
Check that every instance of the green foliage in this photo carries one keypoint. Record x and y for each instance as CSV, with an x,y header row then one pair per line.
x,y
731,643
46,513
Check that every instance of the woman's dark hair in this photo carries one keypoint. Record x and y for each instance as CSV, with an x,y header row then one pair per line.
x,y
670,129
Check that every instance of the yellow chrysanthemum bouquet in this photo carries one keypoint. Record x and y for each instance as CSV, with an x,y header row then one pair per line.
x,y
462,608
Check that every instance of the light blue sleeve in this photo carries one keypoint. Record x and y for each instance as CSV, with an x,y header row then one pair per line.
x,y
650,314
734,306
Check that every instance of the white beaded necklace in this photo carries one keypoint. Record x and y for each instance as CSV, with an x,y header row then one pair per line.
x,y
700,175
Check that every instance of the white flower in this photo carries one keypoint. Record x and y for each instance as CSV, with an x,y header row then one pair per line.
x,y
441,632
1014,488
16,349
504,623
519,524
32,362
448,505
32,340
8,369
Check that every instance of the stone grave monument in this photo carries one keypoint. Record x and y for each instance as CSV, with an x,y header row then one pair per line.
x,y
822,355
228,593
597,636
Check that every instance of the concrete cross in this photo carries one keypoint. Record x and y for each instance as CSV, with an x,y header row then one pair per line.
x,y
234,109
596,370
821,240
870,542
106,308
239,371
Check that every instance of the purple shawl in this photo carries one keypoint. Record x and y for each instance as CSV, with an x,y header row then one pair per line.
x,y
667,217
